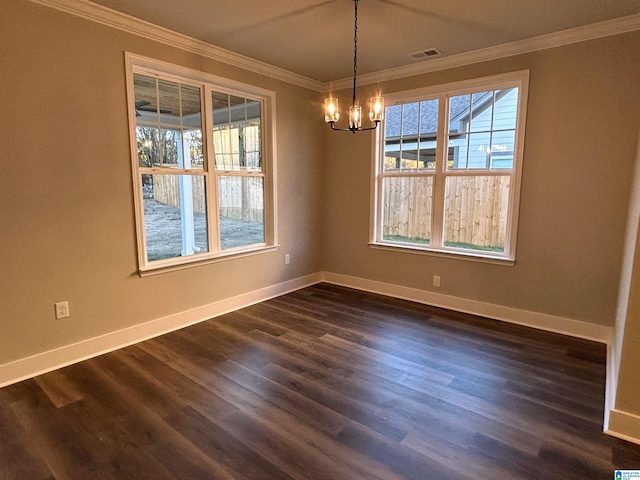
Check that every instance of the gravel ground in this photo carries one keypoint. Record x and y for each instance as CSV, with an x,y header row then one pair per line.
x,y
164,234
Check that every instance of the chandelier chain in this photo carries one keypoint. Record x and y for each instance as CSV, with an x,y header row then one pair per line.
x,y
355,49
332,113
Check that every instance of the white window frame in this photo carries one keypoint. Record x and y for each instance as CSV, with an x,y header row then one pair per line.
x,y
519,79
208,83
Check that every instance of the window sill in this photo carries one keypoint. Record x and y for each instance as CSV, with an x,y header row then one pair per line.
x,y
182,263
444,253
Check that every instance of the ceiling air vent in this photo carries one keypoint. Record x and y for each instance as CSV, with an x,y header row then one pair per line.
x,y
431,52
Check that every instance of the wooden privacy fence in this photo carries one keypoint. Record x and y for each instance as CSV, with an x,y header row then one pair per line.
x,y
475,209
407,207
240,197
166,189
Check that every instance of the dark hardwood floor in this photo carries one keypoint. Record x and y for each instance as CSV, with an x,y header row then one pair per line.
x,y
322,383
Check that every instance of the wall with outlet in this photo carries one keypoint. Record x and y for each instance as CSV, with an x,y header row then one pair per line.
x,y
62,310
579,152
68,231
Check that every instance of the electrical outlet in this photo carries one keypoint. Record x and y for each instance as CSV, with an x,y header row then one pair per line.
x,y
436,280
287,259
62,310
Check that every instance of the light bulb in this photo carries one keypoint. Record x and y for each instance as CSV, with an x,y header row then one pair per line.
x,y
355,116
376,112
331,110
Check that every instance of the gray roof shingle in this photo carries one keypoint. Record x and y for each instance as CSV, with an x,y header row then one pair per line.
x,y
424,115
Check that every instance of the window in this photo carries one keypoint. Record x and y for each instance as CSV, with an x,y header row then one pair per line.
x,y
202,165
447,168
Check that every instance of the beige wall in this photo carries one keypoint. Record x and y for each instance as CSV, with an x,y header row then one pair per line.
x,y
582,129
67,219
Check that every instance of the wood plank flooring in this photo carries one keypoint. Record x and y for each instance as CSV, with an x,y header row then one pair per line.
x,y
322,383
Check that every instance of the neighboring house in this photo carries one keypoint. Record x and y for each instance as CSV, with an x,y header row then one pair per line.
x,y
410,132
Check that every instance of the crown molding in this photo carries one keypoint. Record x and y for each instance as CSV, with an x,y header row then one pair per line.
x,y
106,16
566,37
127,23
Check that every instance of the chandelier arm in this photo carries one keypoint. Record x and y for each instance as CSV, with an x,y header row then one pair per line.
x,y
332,124
369,128
353,129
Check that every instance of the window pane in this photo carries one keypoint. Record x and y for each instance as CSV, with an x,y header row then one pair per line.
x,y
410,116
146,111
479,150
506,109
502,147
481,111
169,102
169,124
409,155
428,118
226,147
169,147
146,98
411,151
237,134
252,145
191,148
476,212
148,147
391,157
241,201
175,216
427,155
426,144
458,149
459,110
406,209
169,115
492,123
392,138
392,121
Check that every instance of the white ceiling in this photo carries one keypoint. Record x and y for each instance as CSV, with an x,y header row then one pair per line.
x,y
314,38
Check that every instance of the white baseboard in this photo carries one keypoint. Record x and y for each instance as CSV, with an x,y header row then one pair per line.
x,y
551,323
624,425
53,359
616,423
611,384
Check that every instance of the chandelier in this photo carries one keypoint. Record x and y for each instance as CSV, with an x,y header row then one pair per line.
x,y
376,104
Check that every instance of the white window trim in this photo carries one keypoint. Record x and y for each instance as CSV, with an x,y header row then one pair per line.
x,y
195,77
518,79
